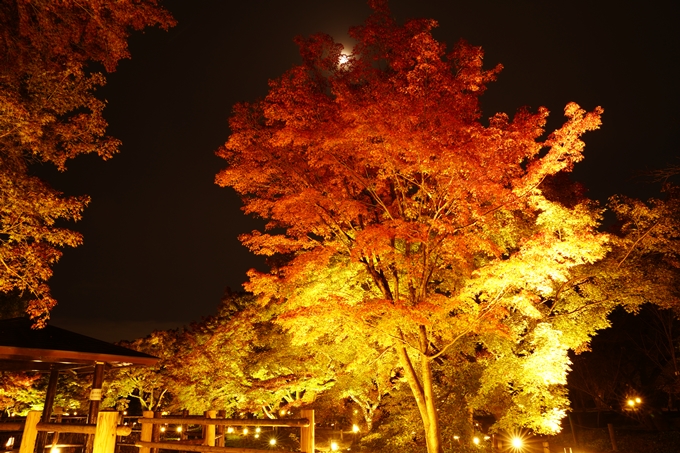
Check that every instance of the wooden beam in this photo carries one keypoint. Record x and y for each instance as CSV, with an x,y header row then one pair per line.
x,y
285,422
176,446
79,429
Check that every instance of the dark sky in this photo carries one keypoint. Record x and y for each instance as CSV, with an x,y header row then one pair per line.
x,y
161,238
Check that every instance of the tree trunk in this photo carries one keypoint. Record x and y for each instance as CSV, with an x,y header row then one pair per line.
x,y
424,395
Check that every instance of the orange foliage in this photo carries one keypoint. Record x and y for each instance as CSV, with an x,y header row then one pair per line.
x,y
49,114
395,205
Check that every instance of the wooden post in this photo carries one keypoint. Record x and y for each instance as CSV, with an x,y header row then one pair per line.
x,y
96,392
51,392
546,447
209,436
156,431
95,398
58,412
183,435
307,434
105,434
219,435
147,430
610,427
30,432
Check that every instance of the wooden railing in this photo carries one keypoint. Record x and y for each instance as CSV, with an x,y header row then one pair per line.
x,y
150,432
107,428
105,431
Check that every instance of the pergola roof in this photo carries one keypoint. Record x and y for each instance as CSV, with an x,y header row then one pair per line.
x,y
25,349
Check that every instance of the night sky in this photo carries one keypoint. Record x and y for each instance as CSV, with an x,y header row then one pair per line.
x,y
161,241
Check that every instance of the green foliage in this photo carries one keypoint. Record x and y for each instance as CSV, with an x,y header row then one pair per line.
x,y
151,386
19,393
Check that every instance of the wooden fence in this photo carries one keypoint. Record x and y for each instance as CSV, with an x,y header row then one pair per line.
x,y
106,430
149,442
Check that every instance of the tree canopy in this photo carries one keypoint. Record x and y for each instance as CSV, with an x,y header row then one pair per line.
x,y
49,114
396,214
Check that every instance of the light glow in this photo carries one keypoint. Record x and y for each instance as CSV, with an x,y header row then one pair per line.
x,y
355,428
334,446
517,442
475,440
272,441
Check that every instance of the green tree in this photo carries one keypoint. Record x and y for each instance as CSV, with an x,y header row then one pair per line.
x,y
152,386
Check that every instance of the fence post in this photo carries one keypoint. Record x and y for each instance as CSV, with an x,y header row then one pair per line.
x,y
183,434
156,431
147,429
307,434
209,437
105,434
30,432
219,434
58,412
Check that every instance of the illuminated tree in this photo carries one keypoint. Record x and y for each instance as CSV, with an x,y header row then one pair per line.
x,y
49,114
241,361
152,386
641,274
398,216
18,392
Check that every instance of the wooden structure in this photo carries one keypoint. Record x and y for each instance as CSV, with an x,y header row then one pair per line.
x,y
105,430
52,350
149,442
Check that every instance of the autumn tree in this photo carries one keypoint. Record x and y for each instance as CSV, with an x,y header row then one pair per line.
x,y
152,387
402,217
239,360
18,392
49,114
